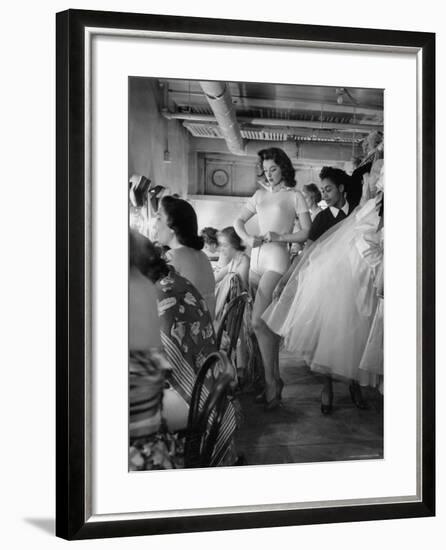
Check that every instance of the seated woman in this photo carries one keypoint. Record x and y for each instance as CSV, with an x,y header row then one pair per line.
x,y
187,336
147,370
210,238
312,197
177,228
231,246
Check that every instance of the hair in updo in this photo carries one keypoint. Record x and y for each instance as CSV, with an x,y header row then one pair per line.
x,y
146,257
283,162
233,239
336,176
182,219
313,189
210,236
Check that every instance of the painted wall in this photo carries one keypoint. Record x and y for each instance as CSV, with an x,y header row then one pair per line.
x,y
149,136
221,212
307,158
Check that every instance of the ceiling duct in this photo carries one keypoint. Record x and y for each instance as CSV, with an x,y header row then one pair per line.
x,y
220,101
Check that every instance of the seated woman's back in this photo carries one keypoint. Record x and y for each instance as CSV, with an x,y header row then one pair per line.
x,y
146,366
144,325
195,266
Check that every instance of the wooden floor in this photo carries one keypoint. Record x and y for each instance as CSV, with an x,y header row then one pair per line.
x,y
298,432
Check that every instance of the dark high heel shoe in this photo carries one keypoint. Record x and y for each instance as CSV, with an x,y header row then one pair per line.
x,y
280,386
272,405
356,395
276,401
327,408
261,397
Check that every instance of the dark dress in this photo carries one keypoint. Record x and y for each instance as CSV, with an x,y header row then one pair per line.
x,y
325,221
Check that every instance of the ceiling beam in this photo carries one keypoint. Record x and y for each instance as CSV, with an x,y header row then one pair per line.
x,y
281,123
196,98
289,133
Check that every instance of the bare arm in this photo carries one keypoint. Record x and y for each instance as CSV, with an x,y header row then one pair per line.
x,y
221,273
299,237
243,270
240,229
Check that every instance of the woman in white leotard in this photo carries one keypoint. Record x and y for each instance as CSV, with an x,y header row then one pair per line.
x,y
277,206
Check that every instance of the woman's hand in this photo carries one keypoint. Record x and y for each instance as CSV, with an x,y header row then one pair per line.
x,y
272,237
255,241
279,288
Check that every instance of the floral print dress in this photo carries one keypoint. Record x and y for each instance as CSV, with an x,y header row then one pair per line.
x,y
187,336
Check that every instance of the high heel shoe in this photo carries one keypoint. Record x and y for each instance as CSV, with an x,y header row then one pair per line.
x,y
327,408
276,401
272,405
356,395
280,386
261,397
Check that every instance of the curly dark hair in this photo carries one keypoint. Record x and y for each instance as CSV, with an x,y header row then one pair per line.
x,y
283,162
182,219
210,235
234,240
146,257
314,190
336,176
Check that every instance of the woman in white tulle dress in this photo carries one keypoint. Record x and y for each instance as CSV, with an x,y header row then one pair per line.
x,y
327,309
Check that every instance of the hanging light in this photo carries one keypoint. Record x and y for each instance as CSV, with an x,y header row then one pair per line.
x,y
340,95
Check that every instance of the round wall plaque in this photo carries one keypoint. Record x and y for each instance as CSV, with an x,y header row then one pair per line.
x,y
220,177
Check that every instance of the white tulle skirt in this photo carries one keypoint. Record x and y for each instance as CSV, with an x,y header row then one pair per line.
x,y
326,311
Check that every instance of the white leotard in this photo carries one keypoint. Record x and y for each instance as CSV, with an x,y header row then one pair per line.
x,y
277,211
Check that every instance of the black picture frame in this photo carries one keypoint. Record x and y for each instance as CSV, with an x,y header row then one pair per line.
x,y
71,512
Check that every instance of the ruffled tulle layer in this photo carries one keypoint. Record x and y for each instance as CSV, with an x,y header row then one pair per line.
x,y
326,311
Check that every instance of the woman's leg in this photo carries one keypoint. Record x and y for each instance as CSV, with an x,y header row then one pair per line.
x,y
327,390
268,341
356,395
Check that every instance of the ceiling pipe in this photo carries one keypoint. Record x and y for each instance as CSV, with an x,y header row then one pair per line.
x,y
193,98
220,100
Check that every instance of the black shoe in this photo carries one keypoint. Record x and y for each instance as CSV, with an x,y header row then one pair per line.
x,y
280,386
241,461
260,397
272,405
356,395
327,408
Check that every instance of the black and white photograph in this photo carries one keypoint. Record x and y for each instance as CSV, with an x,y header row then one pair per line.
x,y
256,273
196,348
225,357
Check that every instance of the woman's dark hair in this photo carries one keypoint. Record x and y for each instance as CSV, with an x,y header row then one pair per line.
x,y
314,190
146,257
336,176
209,235
283,162
234,240
182,219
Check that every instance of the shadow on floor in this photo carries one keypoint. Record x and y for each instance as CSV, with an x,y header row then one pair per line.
x,y
298,432
48,525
